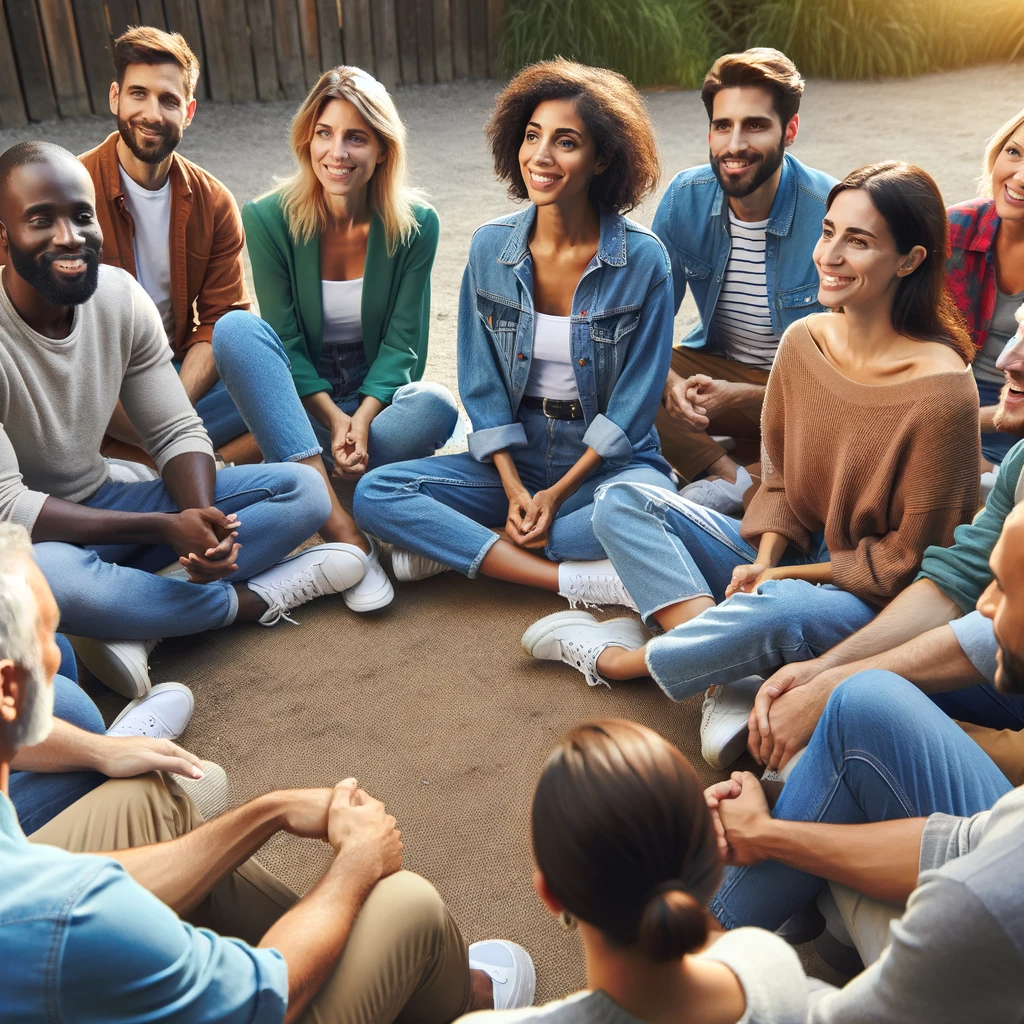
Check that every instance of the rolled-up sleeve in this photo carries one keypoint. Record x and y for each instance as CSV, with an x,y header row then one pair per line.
x,y
977,638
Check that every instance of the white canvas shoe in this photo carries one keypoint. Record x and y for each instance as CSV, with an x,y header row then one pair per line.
x,y
410,567
325,569
510,969
578,639
164,713
592,584
211,794
720,495
723,720
374,590
121,665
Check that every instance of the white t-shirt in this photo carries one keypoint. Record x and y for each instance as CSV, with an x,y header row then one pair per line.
x,y
742,316
151,213
551,373
342,304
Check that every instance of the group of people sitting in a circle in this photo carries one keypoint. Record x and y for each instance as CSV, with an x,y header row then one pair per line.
x,y
789,505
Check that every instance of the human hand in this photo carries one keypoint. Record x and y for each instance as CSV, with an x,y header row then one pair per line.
x,y
520,501
349,447
747,578
798,673
710,397
713,795
124,757
205,542
364,836
305,812
792,719
539,515
680,406
744,818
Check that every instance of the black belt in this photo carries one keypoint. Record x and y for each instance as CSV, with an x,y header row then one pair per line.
x,y
555,408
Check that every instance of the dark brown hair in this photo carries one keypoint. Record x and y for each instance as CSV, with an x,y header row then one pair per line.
x,y
763,67
147,45
624,839
613,111
911,204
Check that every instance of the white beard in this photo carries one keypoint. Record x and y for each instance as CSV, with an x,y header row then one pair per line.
x,y
36,720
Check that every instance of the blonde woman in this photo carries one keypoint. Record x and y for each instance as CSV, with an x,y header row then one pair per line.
x,y
986,273
341,256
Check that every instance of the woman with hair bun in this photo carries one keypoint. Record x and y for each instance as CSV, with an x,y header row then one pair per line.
x,y
626,852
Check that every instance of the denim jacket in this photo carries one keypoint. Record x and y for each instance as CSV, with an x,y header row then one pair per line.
x,y
693,222
621,335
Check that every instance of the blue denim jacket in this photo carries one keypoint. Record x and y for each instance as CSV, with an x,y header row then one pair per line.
x,y
693,222
621,335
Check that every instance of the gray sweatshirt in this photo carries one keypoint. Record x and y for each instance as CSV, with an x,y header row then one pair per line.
x,y
57,396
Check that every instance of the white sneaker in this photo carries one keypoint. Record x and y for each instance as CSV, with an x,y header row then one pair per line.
x,y
592,584
510,969
720,495
211,794
374,590
124,471
325,569
122,665
410,567
578,639
723,720
164,713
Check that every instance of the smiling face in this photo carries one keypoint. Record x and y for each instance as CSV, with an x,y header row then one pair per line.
x,y
1003,603
558,158
152,109
1009,416
50,231
345,150
746,139
1008,178
857,259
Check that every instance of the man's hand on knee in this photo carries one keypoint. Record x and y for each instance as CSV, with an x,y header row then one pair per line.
x,y
793,717
365,837
124,757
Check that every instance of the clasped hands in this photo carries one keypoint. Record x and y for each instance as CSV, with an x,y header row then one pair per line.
x,y
205,540
740,814
349,445
530,517
695,399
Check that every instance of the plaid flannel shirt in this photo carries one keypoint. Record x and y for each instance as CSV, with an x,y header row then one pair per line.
x,y
970,265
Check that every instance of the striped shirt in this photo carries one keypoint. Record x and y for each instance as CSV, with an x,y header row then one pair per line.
x,y
742,316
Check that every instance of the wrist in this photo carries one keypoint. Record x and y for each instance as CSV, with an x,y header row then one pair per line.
x,y
358,874
94,751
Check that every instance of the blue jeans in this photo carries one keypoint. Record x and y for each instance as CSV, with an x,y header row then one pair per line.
x,y
994,446
110,592
983,705
222,420
254,367
442,507
882,750
667,549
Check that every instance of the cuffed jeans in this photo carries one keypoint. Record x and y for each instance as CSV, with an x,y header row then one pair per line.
x,y
110,592
254,367
882,750
443,507
667,549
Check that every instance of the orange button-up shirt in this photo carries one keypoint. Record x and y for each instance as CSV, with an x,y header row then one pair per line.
x,y
206,240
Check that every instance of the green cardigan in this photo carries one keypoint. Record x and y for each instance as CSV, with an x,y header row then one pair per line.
x,y
395,308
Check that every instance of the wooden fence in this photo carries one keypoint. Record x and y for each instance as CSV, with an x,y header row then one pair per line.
x,y
55,54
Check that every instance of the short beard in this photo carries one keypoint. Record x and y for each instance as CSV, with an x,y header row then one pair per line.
x,y
1005,421
37,273
1010,674
149,156
769,165
35,717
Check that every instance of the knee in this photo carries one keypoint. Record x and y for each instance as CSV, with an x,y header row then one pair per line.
x,y
437,405
72,704
416,903
612,502
304,486
234,335
868,696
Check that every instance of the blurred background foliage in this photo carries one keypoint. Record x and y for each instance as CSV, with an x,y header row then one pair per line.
x,y
673,42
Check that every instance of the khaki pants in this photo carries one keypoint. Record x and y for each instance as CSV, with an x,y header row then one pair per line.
x,y
691,453
405,959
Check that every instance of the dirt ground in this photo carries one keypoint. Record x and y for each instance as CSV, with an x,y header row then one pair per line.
x,y
431,703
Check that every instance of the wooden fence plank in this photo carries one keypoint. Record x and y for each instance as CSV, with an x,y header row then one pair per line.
x,y
495,13
261,28
309,37
94,44
460,38
122,14
408,59
329,31
443,40
287,46
215,43
357,35
385,42
478,41
62,47
183,17
151,12
243,79
33,68
12,106
425,40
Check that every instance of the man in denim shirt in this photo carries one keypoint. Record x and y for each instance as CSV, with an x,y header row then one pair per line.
x,y
748,262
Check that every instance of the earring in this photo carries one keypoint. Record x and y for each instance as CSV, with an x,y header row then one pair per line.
x,y
566,920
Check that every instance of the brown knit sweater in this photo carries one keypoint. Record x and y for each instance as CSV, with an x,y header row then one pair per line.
x,y
884,470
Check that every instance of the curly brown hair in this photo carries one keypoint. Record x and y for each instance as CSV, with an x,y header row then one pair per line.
x,y
608,104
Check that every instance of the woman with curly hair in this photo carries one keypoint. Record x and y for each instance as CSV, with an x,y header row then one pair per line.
x,y
565,330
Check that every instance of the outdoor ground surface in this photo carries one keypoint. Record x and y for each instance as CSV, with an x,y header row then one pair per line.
x,y
431,703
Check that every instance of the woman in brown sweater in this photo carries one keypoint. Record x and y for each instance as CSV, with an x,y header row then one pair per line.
x,y
870,449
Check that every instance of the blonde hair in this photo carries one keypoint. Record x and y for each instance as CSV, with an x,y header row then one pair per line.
x,y
992,151
390,196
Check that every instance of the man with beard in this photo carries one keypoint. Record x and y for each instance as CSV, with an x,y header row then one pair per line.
x,y
891,801
740,233
170,224
75,337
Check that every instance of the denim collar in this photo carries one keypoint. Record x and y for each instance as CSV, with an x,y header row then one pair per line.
x,y
611,247
780,220
9,827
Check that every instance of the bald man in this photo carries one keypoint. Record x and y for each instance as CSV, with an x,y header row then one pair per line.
x,y
75,337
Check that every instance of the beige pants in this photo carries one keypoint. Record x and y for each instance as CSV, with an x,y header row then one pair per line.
x,y
689,452
405,959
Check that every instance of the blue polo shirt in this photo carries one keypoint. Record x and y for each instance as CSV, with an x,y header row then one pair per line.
x,y
81,941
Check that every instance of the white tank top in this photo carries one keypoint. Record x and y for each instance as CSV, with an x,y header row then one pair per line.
x,y
551,373
342,302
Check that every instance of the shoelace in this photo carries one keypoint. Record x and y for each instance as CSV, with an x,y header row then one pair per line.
x,y
287,594
596,590
583,659
148,727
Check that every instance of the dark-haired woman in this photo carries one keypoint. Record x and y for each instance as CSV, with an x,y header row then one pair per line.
x,y
565,321
625,851
870,448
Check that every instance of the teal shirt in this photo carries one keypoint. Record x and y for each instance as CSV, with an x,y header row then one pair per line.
x,y
962,571
395,310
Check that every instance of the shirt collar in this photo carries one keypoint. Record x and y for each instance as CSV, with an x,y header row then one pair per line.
x,y
611,247
9,826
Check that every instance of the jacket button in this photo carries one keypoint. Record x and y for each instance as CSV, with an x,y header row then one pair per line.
x,y
583,312
520,356
583,362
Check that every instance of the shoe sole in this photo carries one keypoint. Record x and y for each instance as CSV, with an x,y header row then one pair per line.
x,y
380,598
731,750
535,633
159,688
113,673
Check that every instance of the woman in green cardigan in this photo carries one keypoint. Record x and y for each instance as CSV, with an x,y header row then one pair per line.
x,y
341,256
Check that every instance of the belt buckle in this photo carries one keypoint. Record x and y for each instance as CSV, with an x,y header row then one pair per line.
x,y
544,408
